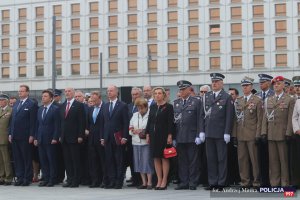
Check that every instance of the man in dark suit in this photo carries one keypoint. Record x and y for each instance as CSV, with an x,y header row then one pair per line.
x,y
114,137
46,138
22,131
72,117
216,122
95,149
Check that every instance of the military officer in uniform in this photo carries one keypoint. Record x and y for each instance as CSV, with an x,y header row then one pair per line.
x,y
5,166
216,123
187,120
246,130
277,128
266,91
296,82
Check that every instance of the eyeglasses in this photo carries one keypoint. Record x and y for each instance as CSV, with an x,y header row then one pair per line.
x,y
203,91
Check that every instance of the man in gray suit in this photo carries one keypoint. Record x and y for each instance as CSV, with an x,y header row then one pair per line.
x,y
187,120
216,122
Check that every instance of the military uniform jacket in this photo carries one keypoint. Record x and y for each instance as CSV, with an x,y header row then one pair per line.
x,y
277,120
5,116
248,118
219,120
187,119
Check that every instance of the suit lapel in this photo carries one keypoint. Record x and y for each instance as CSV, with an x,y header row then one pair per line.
x,y
115,108
22,106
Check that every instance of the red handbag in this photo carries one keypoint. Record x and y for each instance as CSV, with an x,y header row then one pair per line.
x,y
170,152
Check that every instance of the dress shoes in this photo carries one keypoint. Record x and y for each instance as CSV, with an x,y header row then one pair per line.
x,y
18,183
193,187
182,187
109,186
118,186
142,187
94,185
43,184
74,185
211,187
163,188
67,185
25,184
50,184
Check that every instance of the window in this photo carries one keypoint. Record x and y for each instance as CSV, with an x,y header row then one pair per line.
x,y
22,56
39,56
258,27
39,70
22,71
132,4
258,44
236,29
152,3
258,11
58,25
132,20
57,10
280,26
152,18
214,30
193,64
214,46
113,51
172,17
5,29
193,15
39,41
236,62
152,66
152,49
172,48
39,12
132,66
94,22
193,2
75,23
5,58
113,36
58,54
214,1
193,48
281,43
280,9
172,3
281,60
172,65
39,26
258,61
94,53
75,38
215,63
113,21
58,39
58,70
94,38
5,72
236,13
236,45
22,28
5,15
22,42
132,35
172,33
113,67
75,54
5,43
152,34
235,1
94,7
75,9
113,5
22,13
214,13
75,69
94,68
132,50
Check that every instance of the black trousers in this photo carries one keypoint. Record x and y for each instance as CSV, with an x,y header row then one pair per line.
x,y
60,163
84,164
294,155
72,162
203,179
97,164
263,156
233,165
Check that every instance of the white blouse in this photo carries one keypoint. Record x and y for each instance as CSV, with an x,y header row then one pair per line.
x,y
138,122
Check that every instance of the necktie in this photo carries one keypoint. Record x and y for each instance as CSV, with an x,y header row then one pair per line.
x,y
245,100
95,114
264,96
277,98
19,106
110,108
184,101
214,95
44,112
67,109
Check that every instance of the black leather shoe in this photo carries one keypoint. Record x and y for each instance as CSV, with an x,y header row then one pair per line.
x,y
109,186
142,187
67,185
193,188
118,186
43,184
182,187
94,185
18,183
50,184
211,187
25,184
74,185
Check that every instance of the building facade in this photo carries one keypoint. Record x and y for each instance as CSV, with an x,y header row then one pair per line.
x,y
146,41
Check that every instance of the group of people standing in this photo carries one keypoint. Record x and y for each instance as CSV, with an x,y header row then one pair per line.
x,y
99,141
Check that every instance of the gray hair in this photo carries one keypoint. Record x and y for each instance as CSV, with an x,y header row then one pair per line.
x,y
206,87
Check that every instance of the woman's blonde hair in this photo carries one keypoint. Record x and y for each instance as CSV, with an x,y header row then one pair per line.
x,y
141,102
160,88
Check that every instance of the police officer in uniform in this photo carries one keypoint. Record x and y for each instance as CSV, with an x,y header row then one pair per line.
x,y
277,128
246,130
187,120
216,122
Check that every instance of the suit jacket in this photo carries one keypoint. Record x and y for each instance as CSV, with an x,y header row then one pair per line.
x,y
48,129
131,110
118,121
269,94
5,117
248,118
72,126
296,116
187,119
23,123
220,120
281,125
95,128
